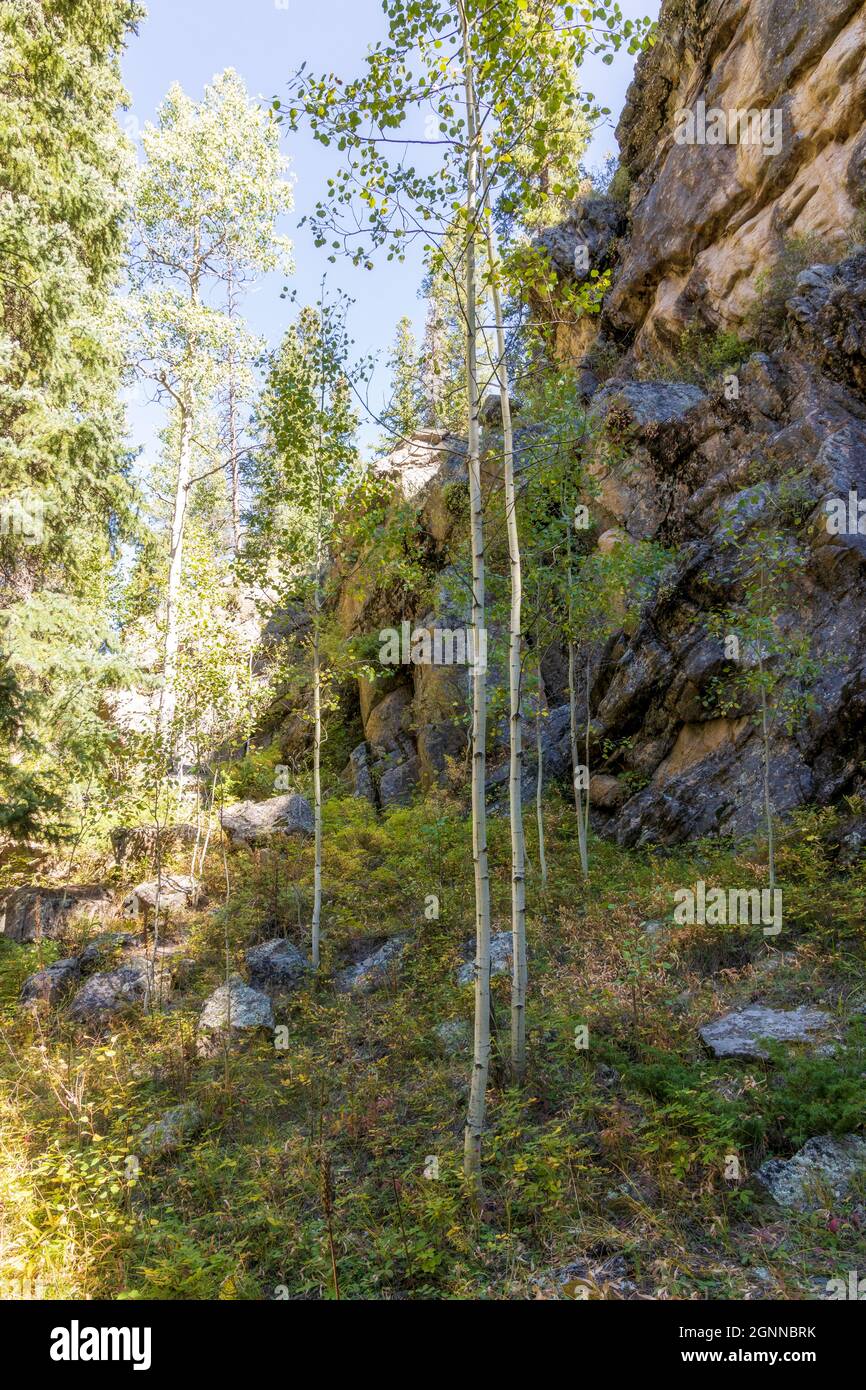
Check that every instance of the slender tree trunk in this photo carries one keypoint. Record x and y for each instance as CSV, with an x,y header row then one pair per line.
x,y
481,1050
515,771
768,806
572,723
317,774
175,571
234,461
586,756
539,781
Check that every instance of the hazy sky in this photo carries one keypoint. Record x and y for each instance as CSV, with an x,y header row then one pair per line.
x,y
188,41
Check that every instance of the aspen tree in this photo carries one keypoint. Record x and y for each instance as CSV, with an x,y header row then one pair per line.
x,y
484,64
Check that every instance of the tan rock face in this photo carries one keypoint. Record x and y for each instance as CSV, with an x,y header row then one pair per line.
x,y
695,742
707,219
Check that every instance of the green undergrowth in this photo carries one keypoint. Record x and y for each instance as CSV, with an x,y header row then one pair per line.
x,y
330,1156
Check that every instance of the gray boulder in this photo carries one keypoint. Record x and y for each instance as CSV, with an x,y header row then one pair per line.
x,y
739,1034
112,992
398,781
36,914
233,1014
822,1170
49,985
174,892
500,959
253,822
277,966
372,972
647,405
359,771
827,318
168,1133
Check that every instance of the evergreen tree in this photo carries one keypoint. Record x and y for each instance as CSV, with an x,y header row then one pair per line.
x,y
300,478
404,414
64,181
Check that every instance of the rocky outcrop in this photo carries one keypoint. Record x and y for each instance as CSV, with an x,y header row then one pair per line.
x,y
744,1032
820,1172
112,992
373,971
707,218
673,461
169,1133
256,822
48,986
34,914
133,842
233,1015
173,893
678,482
827,315
277,966
500,958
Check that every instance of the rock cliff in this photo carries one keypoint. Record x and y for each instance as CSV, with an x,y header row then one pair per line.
x,y
704,226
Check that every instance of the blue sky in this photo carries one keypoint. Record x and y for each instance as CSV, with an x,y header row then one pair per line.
x,y
188,41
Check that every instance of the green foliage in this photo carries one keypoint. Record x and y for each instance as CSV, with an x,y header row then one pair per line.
x,y
64,492
404,413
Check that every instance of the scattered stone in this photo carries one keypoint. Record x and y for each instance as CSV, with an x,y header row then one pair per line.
x,y
233,1013
49,985
36,914
105,945
821,1170
174,891
277,966
739,1034
372,972
112,991
254,822
500,959
167,1134
455,1035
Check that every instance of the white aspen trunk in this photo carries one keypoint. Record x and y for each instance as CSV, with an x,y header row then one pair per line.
x,y
317,776
765,737
175,570
234,462
586,756
481,1049
572,724
515,769
768,808
575,760
539,782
